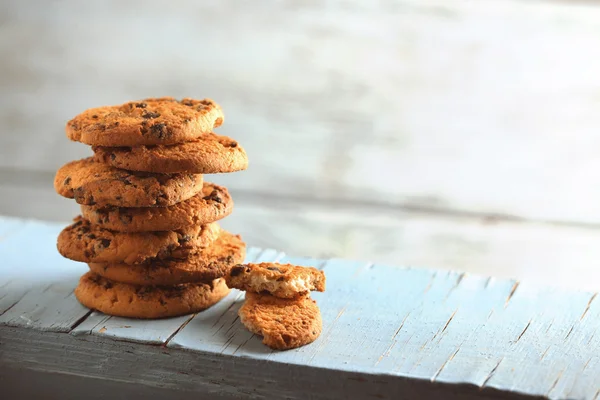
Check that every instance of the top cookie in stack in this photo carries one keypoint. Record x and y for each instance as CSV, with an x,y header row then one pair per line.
x,y
148,230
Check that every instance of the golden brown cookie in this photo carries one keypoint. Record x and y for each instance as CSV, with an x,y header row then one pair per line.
x,y
283,323
133,301
146,122
210,263
279,280
212,204
209,154
94,183
82,241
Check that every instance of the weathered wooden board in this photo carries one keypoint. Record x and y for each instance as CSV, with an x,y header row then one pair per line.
x,y
460,105
387,332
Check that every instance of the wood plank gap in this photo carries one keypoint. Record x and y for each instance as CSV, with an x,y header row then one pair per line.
x,y
80,320
178,329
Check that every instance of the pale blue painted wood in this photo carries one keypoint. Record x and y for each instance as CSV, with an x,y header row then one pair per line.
x,y
213,329
527,348
434,326
475,299
36,279
53,308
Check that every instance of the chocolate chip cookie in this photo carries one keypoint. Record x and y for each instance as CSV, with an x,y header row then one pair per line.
x,y
209,154
152,121
94,183
133,301
82,241
208,264
283,323
212,204
279,280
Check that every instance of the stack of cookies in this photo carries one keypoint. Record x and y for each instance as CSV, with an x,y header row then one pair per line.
x,y
278,306
148,227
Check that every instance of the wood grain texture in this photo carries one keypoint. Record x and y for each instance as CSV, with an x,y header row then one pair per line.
x,y
417,103
387,330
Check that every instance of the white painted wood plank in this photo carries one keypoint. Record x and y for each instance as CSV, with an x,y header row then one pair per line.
x,y
579,377
430,327
525,349
212,329
142,331
37,282
470,307
53,308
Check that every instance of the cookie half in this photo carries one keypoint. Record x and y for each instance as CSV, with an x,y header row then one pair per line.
x,y
283,323
85,242
210,263
212,204
133,301
94,183
209,154
146,122
279,280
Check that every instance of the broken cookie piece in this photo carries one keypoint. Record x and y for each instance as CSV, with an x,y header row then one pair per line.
x,y
283,323
280,280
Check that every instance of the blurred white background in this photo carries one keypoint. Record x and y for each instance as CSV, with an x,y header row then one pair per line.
x,y
446,134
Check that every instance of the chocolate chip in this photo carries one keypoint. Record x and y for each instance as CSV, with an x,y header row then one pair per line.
x,y
67,180
125,180
159,130
187,102
141,105
91,200
214,196
150,114
280,279
91,236
274,269
113,156
95,116
232,145
185,239
237,270
286,338
104,243
116,123
107,284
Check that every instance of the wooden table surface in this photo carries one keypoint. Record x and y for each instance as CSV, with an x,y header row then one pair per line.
x,y
389,332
